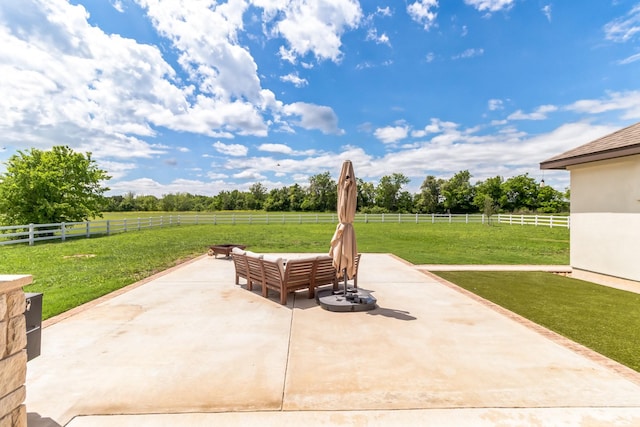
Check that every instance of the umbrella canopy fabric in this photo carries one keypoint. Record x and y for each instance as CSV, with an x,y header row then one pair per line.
x,y
343,244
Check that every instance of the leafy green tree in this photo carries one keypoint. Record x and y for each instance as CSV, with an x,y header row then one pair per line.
x,y
366,194
277,200
551,200
428,200
458,193
322,194
520,193
388,191
257,196
297,194
148,203
490,190
52,186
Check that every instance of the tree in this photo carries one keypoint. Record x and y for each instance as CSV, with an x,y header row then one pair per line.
x,y
388,191
488,194
551,200
520,193
322,194
366,194
428,200
53,186
458,193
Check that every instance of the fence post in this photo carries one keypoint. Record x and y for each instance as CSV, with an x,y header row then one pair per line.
x,y
417,218
466,219
366,219
63,234
179,219
138,223
87,224
31,235
521,219
300,218
550,221
449,217
108,228
124,224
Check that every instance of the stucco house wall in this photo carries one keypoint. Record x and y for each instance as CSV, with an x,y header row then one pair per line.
x,y
605,217
605,207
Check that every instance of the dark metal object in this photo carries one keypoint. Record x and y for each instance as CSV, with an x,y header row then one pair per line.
x,y
33,317
347,299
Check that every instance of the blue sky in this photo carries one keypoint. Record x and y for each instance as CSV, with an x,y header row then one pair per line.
x,y
204,96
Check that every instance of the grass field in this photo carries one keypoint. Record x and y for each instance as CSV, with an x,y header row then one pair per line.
x,y
80,270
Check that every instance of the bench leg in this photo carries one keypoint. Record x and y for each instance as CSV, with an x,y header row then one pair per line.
x,y
283,297
312,292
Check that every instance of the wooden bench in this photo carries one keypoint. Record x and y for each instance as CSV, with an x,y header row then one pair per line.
x,y
271,274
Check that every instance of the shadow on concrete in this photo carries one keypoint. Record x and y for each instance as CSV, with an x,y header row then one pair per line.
x,y
390,312
36,420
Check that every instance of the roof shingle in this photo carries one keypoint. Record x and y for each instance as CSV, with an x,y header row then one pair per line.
x,y
625,142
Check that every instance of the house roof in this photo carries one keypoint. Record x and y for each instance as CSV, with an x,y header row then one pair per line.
x,y
625,142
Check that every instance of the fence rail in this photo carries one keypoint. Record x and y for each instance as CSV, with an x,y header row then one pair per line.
x,y
61,231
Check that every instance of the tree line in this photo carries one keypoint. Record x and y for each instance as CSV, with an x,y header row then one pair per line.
x,y
454,195
60,185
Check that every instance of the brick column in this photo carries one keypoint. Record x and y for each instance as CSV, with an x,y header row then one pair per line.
x,y
13,353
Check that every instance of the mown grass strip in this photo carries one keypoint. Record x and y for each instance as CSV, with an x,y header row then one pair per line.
x,y
604,319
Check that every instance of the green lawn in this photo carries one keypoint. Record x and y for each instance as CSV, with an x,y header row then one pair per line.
x,y
604,319
80,270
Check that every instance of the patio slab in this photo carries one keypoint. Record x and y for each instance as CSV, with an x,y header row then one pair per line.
x,y
191,348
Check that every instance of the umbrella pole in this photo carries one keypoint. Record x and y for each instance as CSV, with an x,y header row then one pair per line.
x,y
344,274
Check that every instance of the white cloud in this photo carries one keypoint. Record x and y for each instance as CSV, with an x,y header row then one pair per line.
x,y
624,28
469,53
495,104
423,12
628,102
391,134
295,79
386,11
313,116
116,170
540,113
547,11
630,59
372,35
117,5
490,5
249,174
311,26
236,150
436,126
276,148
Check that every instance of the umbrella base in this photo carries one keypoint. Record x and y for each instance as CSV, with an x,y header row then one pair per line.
x,y
355,300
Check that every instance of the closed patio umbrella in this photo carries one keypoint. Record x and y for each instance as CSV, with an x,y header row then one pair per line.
x,y
343,244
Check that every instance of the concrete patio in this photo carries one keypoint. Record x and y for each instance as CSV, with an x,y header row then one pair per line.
x,y
190,348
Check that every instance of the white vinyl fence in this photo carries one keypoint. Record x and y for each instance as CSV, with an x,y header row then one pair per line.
x,y
61,231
